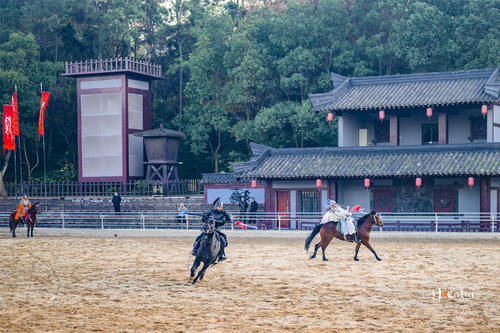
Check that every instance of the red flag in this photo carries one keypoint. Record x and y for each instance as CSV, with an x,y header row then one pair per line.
x,y
15,116
356,208
8,128
43,105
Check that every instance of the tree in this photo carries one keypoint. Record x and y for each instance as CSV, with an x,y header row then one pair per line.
x,y
207,120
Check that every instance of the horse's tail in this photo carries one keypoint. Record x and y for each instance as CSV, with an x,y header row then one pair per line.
x,y
312,235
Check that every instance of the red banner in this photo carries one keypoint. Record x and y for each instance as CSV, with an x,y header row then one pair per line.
x,y
16,117
8,128
43,105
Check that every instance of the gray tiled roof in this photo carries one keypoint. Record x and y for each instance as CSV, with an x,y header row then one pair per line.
x,y
482,159
160,132
409,90
223,178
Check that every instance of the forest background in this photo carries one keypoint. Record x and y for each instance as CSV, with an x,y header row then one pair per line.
x,y
236,72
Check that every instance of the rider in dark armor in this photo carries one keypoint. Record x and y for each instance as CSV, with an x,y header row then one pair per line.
x,y
220,217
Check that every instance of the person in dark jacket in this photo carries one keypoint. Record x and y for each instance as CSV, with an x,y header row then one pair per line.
x,y
116,202
243,208
253,209
221,217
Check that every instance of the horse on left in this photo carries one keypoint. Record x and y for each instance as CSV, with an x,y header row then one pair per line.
x,y
29,219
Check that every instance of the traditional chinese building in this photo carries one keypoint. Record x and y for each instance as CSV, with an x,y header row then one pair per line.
x,y
425,142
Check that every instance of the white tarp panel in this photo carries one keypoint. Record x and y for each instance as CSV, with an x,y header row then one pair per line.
x,y
101,120
135,156
135,119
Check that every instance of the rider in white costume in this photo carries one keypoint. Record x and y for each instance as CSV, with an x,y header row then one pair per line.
x,y
336,213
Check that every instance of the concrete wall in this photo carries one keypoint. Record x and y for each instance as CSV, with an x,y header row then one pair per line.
x,y
352,192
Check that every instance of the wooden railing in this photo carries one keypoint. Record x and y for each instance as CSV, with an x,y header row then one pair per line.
x,y
97,66
70,189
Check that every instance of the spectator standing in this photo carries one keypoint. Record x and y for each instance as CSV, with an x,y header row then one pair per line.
x,y
243,208
253,209
116,202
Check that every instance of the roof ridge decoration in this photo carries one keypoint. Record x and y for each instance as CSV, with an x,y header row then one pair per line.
x,y
492,86
409,90
257,149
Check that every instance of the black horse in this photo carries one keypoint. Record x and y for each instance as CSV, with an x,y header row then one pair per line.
x,y
208,251
29,219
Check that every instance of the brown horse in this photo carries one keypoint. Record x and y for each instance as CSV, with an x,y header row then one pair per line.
x,y
29,219
329,230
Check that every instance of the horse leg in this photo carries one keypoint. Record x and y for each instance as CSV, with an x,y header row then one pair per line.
x,y
367,244
356,254
28,230
32,228
316,247
196,263
14,230
324,244
200,273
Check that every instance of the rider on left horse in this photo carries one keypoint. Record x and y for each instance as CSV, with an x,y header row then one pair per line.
x,y
22,209
221,217
336,213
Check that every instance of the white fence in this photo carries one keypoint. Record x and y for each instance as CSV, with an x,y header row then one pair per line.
x,y
421,222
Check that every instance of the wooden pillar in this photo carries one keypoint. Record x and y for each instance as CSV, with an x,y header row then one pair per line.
x,y
394,130
332,193
443,128
485,204
269,204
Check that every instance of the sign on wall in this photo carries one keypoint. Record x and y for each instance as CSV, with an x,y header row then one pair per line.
x,y
232,195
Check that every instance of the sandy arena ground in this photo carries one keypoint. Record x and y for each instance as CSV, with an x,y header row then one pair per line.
x,y
83,282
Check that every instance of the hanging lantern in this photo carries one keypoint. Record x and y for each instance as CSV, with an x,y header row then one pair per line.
x,y
470,181
330,118
429,112
367,183
418,182
381,115
254,183
484,110
318,183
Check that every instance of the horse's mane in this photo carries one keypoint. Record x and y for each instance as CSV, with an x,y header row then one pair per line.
x,y
364,218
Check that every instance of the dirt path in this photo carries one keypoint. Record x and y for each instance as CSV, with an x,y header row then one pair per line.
x,y
119,284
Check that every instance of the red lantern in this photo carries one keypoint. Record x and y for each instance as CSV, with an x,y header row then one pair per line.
x,y
318,183
254,183
381,115
330,116
429,112
484,110
470,181
367,183
418,182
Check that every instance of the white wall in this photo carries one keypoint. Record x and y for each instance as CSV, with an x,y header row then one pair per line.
x,y
410,129
352,192
496,118
349,133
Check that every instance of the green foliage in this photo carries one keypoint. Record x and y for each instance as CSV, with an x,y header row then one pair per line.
x,y
246,70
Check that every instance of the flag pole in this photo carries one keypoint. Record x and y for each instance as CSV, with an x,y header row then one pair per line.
x,y
44,164
19,147
15,154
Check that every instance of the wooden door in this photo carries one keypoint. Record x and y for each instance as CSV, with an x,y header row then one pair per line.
x,y
283,204
382,200
444,201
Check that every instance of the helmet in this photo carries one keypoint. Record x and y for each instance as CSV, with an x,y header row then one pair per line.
x,y
218,203
329,203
